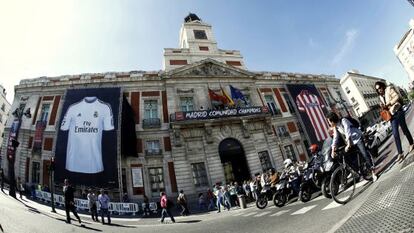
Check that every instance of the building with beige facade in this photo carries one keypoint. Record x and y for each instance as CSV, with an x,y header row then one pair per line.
x,y
404,51
4,112
361,95
183,140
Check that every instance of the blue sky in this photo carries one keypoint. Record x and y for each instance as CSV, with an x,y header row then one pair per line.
x,y
49,38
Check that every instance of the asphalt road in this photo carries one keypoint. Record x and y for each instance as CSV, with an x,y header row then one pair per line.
x,y
318,215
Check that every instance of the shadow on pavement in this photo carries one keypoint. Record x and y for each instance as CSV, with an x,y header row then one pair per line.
x,y
385,146
364,187
384,156
189,221
118,225
80,226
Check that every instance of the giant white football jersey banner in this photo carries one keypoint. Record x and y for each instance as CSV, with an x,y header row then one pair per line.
x,y
85,121
87,148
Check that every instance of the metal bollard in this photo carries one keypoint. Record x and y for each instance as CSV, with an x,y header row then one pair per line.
x,y
242,201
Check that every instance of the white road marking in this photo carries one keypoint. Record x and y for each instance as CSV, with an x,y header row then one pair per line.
x,y
239,213
262,214
280,213
332,205
361,183
249,214
317,199
304,210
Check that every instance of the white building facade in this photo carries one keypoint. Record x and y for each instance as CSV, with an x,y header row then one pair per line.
x,y
404,51
360,93
177,146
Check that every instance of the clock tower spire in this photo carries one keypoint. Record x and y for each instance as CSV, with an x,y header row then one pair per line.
x,y
197,42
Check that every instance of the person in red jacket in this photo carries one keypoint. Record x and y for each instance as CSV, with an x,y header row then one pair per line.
x,y
165,208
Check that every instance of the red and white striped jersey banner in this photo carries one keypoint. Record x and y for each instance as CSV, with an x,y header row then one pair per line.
x,y
312,105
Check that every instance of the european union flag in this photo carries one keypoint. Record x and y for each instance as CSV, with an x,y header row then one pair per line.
x,y
237,94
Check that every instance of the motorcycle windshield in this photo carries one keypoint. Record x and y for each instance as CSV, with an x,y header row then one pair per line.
x,y
326,149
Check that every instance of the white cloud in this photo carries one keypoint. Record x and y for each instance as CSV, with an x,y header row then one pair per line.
x,y
350,38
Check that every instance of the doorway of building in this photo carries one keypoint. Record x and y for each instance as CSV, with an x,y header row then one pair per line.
x,y
233,159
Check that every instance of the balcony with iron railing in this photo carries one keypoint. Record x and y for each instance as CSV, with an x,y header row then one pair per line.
x,y
151,123
201,115
153,152
276,112
284,135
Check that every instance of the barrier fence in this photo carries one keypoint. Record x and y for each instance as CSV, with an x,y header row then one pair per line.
x,y
83,204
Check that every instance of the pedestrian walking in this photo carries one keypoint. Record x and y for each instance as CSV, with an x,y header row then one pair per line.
x,y
93,208
2,179
391,101
147,211
68,192
227,198
219,194
202,205
125,198
103,199
19,187
233,194
182,201
164,202
210,198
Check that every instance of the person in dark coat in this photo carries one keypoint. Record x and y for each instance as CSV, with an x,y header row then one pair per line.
x,y
68,192
2,179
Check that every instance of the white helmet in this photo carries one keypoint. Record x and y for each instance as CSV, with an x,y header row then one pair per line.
x,y
287,162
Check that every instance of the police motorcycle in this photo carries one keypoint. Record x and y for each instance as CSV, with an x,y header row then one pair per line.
x,y
288,185
371,142
312,174
329,165
265,194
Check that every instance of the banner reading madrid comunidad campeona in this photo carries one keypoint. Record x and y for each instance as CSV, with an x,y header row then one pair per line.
x,y
87,143
311,109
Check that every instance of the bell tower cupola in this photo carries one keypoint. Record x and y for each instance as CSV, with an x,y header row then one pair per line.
x,y
197,42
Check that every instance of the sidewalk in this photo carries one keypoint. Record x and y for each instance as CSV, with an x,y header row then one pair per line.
x,y
390,207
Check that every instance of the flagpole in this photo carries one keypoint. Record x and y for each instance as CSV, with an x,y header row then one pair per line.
x,y
209,96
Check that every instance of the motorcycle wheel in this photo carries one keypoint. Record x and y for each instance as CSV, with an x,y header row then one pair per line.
x,y
279,199
261,202
305,194
325,188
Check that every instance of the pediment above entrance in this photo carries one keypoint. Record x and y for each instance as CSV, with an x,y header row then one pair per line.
x,y
209,67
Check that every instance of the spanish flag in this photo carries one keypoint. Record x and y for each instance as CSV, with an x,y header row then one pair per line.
x,y
229,101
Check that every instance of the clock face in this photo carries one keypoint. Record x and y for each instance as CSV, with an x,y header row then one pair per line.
x,y
200,34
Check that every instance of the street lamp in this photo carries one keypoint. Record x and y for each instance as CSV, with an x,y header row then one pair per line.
x,y
13,143
52,183
342,102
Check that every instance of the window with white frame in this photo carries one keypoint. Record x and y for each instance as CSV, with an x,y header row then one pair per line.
x,y
150,109
187,104
282,131
156,177
199,174
153,146
290,105
290,153
35,172
271,104
44,113
265,160
347,90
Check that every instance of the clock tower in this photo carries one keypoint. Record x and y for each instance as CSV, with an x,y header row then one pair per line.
x,y
197,42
